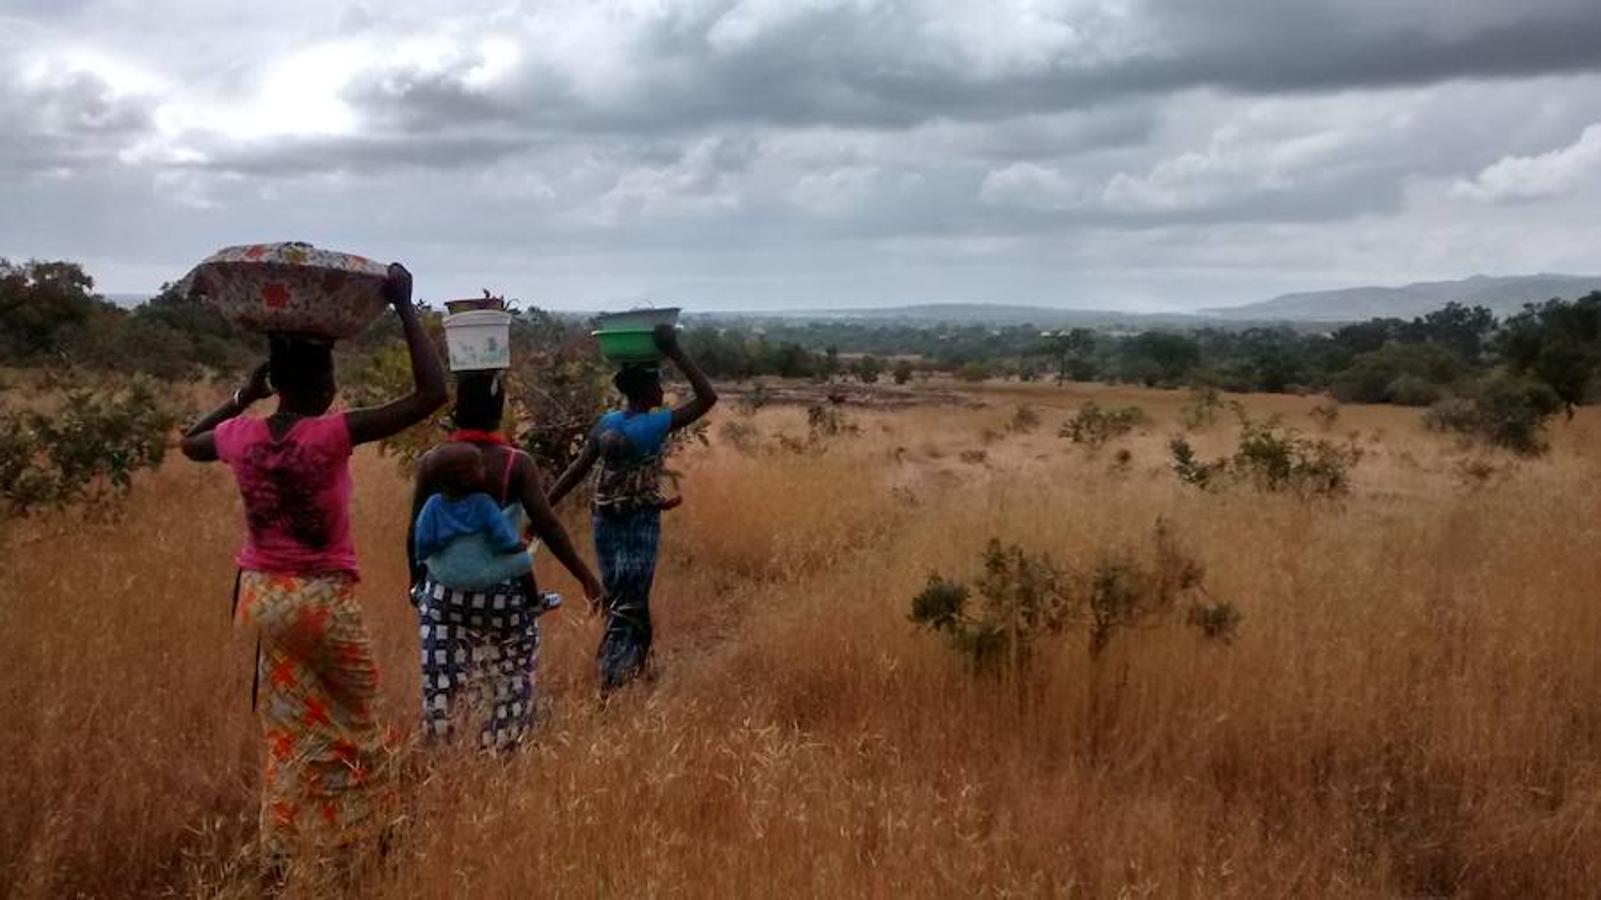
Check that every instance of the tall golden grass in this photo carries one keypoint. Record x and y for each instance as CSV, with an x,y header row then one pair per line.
x,y
1411,706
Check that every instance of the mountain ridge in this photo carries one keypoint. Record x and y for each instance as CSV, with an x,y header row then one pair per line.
x,y
1503,295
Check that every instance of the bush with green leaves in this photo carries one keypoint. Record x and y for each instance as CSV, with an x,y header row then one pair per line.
x,y
1271,458
973,372
1094,426
1203,408
1020,598
87,450
1508,411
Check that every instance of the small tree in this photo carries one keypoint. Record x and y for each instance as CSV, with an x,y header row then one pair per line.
x,y
867,369
973,372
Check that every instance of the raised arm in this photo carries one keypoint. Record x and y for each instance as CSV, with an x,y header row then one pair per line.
x,y
428,376
575,472
705,396
549,529
199,444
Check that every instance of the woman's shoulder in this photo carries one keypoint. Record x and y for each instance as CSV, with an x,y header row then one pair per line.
x,y
236,433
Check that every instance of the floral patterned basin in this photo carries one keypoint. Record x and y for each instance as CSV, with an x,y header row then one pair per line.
x,y
292,287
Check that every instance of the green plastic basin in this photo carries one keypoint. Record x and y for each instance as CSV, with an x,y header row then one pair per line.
x,y
628,345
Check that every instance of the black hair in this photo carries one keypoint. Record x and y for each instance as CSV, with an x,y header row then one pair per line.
x,y
634,381
480,400
300,365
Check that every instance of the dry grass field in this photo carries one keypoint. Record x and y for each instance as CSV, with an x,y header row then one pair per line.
x,y
1412,705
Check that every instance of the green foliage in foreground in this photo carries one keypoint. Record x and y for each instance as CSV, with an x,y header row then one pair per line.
x,y
87,451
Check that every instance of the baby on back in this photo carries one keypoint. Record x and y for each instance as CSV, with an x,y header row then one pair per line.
x,y
462,534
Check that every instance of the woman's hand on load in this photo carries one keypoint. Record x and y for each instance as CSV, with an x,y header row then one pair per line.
x,y
666,338
397,289
257,386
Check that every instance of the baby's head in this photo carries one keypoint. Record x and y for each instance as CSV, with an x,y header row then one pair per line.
x,y
460,468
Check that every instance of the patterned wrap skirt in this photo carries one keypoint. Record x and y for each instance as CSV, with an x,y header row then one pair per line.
x,y
479,653
625,547
327,782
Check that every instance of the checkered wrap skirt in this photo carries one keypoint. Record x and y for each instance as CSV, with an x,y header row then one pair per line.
x,y
479,652
626,546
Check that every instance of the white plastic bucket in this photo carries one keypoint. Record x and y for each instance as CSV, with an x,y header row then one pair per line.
x,y
478,339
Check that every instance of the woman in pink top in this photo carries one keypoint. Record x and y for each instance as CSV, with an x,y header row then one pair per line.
x,y
325,783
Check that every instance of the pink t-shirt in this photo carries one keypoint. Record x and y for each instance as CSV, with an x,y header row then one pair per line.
x,y
296,491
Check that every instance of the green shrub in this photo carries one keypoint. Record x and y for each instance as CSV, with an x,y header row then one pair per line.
x,y
1021,598
87,451
1094,426
1190,468
1272,458
1506,411
1373,376
759,396
1125,591
1205,403
973,372
1412,390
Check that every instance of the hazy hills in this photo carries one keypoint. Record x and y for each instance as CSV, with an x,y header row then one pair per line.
x,y
1503,296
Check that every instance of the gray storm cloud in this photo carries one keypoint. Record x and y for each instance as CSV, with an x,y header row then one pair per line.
x,y
1133,153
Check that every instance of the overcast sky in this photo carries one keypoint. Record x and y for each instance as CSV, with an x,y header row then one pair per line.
x,y
724,154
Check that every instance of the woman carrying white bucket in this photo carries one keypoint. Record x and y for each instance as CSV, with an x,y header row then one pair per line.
x,y
485,640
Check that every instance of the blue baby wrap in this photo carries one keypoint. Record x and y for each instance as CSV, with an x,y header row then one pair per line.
x,y
471,544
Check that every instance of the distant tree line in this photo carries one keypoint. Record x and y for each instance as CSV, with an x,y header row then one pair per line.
x,y
49,314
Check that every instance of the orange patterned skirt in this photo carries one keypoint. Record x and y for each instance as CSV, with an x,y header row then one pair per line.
x,y
327,783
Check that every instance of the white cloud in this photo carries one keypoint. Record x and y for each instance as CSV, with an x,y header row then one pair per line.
x,y
1034,186
1523,178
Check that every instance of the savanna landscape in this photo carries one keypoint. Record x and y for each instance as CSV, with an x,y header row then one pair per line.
x,y
1399,698
1018,448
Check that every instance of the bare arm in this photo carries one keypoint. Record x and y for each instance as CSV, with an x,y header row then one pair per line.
x,y
428,376
419,495
199,443
549,529
705,395
575,472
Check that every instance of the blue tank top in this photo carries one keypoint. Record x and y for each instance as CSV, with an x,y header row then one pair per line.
x,y
646,431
